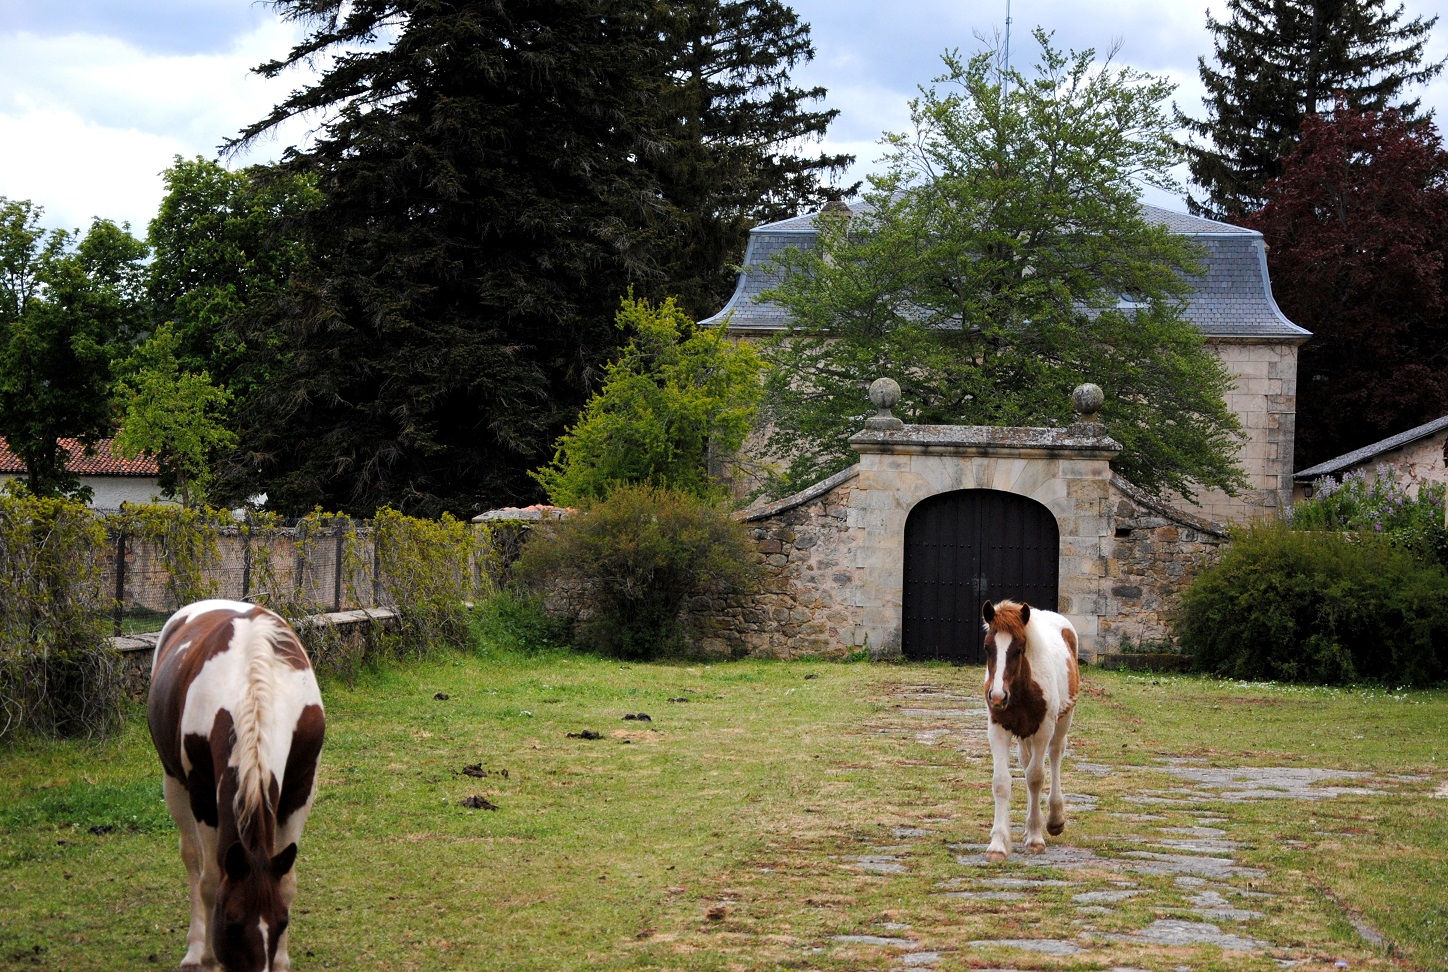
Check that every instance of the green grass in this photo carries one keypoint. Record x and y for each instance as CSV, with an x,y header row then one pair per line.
x,y
612,854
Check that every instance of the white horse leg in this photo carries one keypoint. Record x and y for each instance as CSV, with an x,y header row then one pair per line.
x,y
1056,823
1033,761
289,833
1000,831
193,855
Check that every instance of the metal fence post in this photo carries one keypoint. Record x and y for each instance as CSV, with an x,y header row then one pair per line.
x,y
120,608
337,575
246,557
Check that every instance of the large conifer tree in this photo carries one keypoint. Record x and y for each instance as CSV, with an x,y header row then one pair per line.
x,y
1279,61
732,124
495,176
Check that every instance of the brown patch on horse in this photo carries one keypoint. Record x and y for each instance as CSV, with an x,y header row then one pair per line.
x,y
1025,708
208,635
301,767
1073,668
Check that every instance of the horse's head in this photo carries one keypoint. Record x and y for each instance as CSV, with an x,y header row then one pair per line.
x,y
250,914
1005,648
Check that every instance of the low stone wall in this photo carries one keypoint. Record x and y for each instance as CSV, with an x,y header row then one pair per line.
x,y
351,633
1155,553
807,604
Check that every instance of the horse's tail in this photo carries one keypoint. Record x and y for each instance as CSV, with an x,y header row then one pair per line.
x,y
258,637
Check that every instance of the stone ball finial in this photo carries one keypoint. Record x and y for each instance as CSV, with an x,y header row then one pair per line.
x,y
884,395
1088,399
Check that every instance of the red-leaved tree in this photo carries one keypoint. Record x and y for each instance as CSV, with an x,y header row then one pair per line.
x,y
1356,229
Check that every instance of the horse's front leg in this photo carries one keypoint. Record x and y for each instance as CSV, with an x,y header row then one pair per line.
x,y
1033,761
1000,831
1056,823
200,874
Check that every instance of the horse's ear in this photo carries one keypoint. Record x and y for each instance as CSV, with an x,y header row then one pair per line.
x,y
284,860
236,864
987,611
1025,613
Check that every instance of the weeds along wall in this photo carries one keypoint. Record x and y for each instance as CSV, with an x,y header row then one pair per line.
x,y
56,679
69,579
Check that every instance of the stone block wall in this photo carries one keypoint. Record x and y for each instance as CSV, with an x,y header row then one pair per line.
x,y
1155,553
808,602
1265,401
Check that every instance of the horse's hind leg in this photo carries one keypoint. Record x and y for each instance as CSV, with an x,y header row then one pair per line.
x,y
194,855
1000,831
1056,823
1033,761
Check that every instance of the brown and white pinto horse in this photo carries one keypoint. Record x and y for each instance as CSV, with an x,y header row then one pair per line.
x,y
1031,682
236,717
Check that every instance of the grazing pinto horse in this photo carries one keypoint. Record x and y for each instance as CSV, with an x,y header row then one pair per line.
x,y
1031,682
236,717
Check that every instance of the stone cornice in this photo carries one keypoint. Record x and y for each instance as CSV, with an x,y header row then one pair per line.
x,y
1085,440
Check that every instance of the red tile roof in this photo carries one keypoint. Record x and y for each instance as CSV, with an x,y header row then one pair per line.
x,y
101,463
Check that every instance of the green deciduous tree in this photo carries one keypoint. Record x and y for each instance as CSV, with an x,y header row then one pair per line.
x,y
68,304
1279,61
677,393
1002,260
171,414
224,242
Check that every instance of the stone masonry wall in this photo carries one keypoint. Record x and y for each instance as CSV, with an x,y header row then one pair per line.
x,y
806,605
1264,398
1155,553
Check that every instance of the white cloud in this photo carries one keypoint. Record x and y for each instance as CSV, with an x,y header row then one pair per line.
x,y
88,123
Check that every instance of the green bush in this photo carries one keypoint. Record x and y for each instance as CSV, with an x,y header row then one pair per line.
x,y
1323,607
627,565
1374,503
58,676
515,621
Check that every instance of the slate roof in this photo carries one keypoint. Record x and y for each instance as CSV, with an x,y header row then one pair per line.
x,y
1357,457
102,463
1233,298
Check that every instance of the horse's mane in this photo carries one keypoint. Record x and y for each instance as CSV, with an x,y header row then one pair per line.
x,y
257,637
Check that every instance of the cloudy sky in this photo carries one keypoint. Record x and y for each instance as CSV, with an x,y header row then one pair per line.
x,y
98,96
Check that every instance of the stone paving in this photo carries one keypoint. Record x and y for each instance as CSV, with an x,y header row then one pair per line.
x,y
1206,879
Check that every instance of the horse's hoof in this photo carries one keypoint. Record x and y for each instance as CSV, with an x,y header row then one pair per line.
x,y
995,857
1036,848
1056,829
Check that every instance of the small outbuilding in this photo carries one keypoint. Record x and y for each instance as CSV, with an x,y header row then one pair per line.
x,y
112,480
1415,457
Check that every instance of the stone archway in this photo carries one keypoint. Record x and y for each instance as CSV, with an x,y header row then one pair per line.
x,y
962,547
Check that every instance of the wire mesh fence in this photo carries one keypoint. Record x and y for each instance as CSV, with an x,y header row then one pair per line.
x,y
69,578
301,568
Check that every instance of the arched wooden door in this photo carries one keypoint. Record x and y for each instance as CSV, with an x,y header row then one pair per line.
x,y
963,547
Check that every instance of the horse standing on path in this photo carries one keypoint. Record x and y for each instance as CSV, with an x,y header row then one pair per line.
x,y
236,717
1031,683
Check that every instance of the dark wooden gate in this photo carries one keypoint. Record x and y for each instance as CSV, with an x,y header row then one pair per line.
x,y
966,546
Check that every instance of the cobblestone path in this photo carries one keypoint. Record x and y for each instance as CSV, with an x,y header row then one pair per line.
x,y
1165,891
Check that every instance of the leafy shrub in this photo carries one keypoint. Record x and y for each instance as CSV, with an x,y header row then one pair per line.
x,y
516,621
58,676
631,562
1320,607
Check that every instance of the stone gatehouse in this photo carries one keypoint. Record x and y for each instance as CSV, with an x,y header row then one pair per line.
x,y
839,555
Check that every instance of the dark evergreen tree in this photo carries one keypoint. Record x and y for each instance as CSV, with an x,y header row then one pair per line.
x,y
731,120
495,176
1279,61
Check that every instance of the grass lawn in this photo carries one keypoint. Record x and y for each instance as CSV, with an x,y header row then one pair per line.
x,y
734,830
